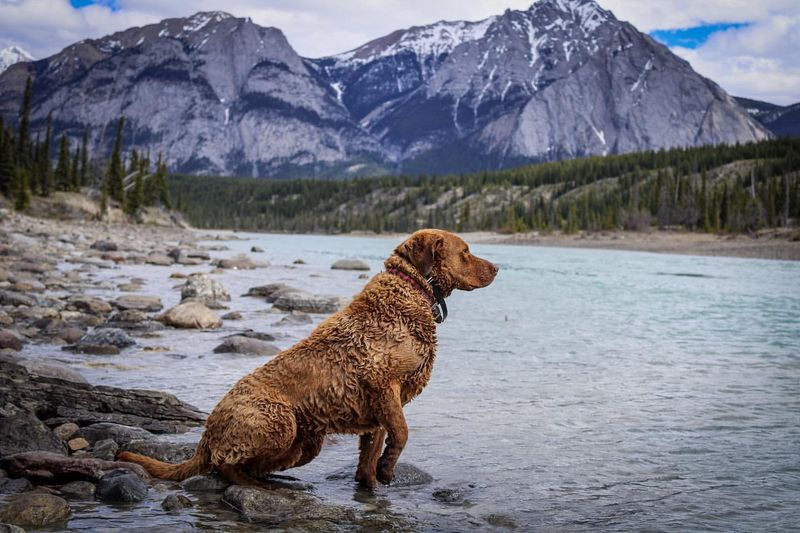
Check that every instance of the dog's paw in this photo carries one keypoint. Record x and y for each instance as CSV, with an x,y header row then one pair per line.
x,y
366,481
385,472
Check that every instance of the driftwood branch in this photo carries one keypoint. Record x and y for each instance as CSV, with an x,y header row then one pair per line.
x,y
55,468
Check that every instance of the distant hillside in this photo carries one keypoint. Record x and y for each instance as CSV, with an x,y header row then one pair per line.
x,y
783,121
722,188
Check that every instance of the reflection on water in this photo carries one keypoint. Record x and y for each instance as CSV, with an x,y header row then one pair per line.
x,y
583,390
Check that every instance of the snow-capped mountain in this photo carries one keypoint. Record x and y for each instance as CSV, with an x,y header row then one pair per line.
x,y
564,78
220,94
12,55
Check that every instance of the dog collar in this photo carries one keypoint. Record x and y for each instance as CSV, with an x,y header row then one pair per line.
x,y
437,303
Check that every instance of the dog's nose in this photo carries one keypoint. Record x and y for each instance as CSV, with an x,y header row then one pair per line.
x,y
495,268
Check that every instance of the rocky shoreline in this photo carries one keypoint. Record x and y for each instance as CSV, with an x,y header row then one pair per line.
x,y
59,434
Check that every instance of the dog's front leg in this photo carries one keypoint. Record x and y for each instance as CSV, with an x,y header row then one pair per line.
x,y
390,416
369,446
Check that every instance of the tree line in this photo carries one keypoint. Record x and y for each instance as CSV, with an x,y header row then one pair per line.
x,y
27,167
731,188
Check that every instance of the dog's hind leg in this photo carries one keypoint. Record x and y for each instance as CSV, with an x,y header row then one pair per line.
x,y
260,431
235,476
369,446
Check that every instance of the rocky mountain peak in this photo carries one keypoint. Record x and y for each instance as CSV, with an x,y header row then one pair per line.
x,y
12,55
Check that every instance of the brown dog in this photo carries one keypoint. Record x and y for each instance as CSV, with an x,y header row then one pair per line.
x,y
353,374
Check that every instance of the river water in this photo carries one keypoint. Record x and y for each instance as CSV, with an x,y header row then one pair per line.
x,y
584,390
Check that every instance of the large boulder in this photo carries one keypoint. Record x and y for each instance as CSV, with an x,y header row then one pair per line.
x,y
36,510
148,304
121,486
350,264
247,346
299,300
206,290
191,315
21,431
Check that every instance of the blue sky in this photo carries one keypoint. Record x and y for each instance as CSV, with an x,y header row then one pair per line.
x,y
693,37
748,47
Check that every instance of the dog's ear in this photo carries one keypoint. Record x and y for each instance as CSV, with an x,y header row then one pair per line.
x,y
422,250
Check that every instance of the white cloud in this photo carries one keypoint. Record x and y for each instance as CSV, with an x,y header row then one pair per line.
x,y
757,61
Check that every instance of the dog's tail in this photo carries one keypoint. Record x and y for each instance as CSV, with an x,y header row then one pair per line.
x,y
173,472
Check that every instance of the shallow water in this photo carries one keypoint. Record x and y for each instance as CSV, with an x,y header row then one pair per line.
x,y
583,390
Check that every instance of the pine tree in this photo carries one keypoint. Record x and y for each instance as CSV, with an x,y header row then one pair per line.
x,y
84,172
22,193
74,171
7,166
62,177
160,189
45,163
23,144
114,184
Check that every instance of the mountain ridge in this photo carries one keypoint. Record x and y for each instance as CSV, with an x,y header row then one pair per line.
x,y
219,94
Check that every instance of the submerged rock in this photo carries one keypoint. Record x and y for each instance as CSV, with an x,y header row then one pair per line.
x,y
78,489
36,510
282,506
244,345
268,290
204,483
107,337
295,318
191,315
350,264
176,502
14,486
306,302
89,304
121,486
239,262
37,367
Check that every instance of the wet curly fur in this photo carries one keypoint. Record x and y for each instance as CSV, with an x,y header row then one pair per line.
x,y
353,374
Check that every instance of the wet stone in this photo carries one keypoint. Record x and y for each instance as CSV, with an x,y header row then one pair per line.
x,y
121,486
66,431
14,486
205,483
176,502
78,489
36,510
105,449
349,264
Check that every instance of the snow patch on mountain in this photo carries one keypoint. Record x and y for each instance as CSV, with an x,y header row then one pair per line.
x,y
11,55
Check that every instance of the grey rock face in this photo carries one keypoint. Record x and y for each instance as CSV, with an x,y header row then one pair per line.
x,y
561,79
241,101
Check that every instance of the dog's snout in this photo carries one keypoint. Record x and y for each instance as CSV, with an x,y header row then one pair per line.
x,y
495,268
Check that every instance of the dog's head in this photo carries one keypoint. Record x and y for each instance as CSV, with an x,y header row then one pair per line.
x,y
445,258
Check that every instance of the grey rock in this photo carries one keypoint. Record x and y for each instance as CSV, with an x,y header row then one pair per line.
x,y
204,289
107,337
158,259
36,510
205,483
248,346
408,475
306,302
21,431
276,507
349,264
10,528
104,246
118,433
14,486
239,262
105,449
176,502
121,486
257,250
139,303
83,490
233,315
268,290
295,318
38,367
16,299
